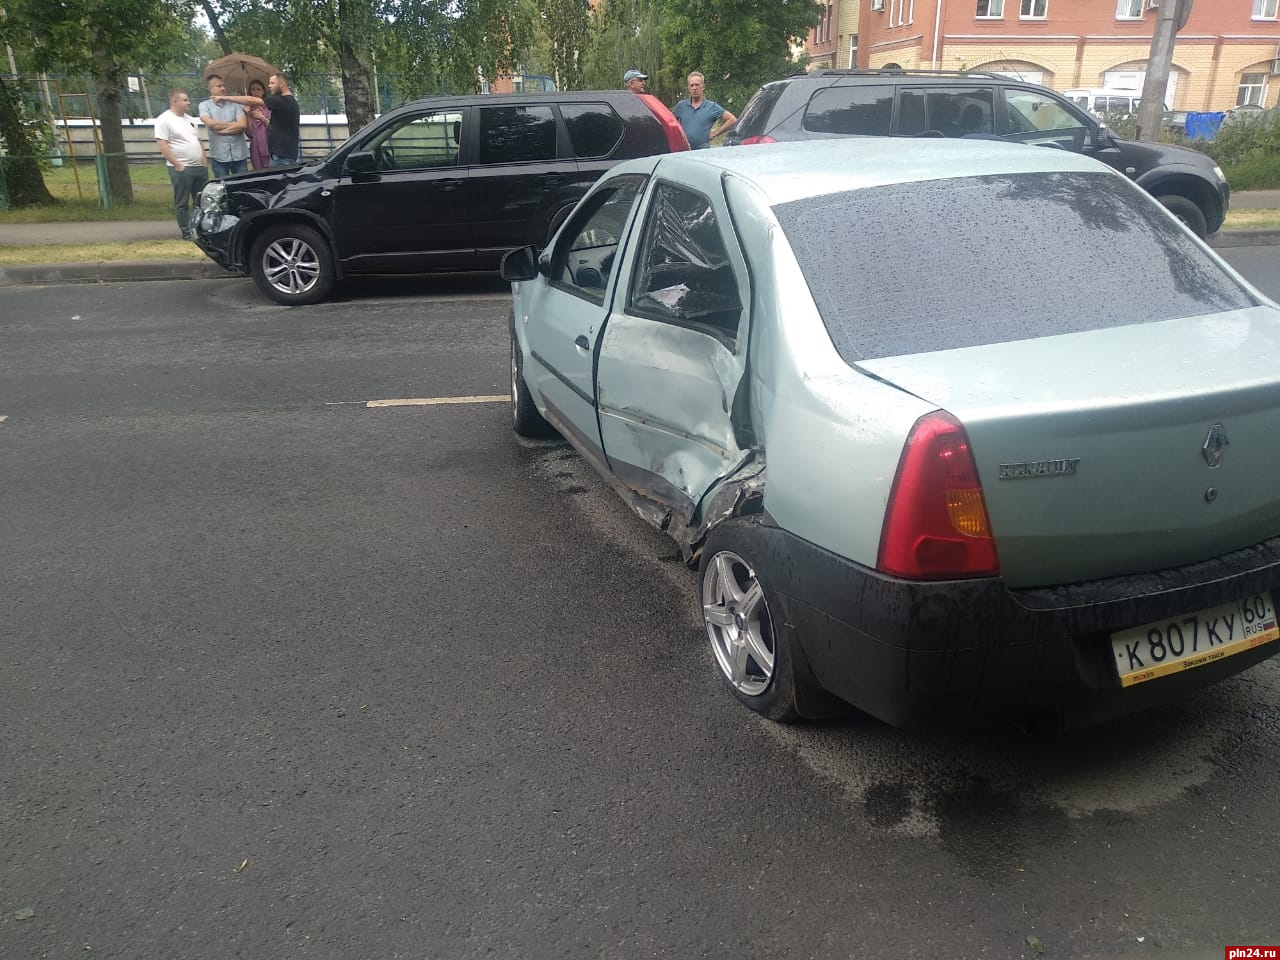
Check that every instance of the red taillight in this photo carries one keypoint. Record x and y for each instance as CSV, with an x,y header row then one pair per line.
x,y
676,140
936,525
760,139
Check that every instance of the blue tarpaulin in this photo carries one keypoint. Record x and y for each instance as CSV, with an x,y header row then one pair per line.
x,y
1203,126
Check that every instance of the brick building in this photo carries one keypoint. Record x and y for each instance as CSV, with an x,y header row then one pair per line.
x,y
1227,54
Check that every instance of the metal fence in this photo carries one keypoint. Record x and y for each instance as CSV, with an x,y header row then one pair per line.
x,y
318,94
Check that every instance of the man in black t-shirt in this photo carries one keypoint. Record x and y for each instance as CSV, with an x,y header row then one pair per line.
x,y
283,134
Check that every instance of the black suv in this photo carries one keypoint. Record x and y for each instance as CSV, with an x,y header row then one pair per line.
x,y
446,183
935,103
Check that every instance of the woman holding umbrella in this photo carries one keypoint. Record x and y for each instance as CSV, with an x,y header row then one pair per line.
x,y
259,120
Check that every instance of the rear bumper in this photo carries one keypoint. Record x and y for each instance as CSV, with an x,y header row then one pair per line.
x,y
976,652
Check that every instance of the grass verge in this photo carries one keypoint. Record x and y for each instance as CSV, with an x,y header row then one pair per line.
x,y
76,189
32,254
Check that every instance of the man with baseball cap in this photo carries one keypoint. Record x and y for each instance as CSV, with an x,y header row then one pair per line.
x,y
633,80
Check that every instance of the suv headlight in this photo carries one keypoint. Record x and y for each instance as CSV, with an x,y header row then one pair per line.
x,y
1217,172
213,198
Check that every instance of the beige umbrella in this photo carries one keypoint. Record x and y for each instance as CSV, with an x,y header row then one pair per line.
x,y
237,69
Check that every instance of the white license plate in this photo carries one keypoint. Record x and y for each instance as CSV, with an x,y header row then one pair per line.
x,y
1180,643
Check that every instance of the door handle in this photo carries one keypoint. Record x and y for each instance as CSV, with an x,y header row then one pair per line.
x,y
582,343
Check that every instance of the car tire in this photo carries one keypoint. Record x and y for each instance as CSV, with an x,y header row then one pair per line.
x,y
292,264
742,617
526,421
1186,211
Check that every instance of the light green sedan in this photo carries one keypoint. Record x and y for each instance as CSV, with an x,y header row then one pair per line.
x,y
954,430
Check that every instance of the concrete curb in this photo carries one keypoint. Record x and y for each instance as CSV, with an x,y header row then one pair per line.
x,y
116,271
1245,238
111,271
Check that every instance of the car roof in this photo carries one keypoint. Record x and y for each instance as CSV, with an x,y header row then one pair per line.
x,y
812,168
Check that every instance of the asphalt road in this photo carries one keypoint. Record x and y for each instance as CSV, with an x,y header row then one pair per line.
x,y
282,674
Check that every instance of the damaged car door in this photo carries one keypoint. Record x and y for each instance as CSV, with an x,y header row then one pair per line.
x,y
571,307
673,353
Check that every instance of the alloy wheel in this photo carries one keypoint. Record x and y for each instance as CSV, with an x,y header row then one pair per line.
x,y
291,265
738,623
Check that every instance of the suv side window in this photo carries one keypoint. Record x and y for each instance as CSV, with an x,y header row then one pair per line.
x,y
955,112
588,247
516,134
683,273
419,143
858,109
595,129
1033,117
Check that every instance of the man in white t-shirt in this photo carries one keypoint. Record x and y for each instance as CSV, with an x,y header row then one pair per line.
x,y
178,137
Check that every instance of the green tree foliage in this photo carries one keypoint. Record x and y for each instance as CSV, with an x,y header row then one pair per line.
x,y
624,35
565,25
107,38
738,44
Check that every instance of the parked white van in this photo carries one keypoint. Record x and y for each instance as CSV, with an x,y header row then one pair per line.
x,y
1101,101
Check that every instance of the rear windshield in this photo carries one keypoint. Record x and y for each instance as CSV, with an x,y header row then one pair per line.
x,y
756,113
953,263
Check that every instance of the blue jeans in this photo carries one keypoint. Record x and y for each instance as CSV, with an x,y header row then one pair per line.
x,y
225,168
278,161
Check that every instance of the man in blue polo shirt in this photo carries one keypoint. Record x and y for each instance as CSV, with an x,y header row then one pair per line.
x,y
703,120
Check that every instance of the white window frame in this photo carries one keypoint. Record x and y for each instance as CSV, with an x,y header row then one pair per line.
x,y
1260,88
877,5
1030,5
1130,9
996,5
1265,9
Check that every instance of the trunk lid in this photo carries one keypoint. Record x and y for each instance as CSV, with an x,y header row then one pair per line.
x,y
1117,451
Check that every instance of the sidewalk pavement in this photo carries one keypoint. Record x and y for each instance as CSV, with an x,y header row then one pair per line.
x,y
120,231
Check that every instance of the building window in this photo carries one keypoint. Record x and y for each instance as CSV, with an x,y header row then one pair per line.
x,y
1253,89
901,12
1034,9
990,9
877,4
1265,9
1129,9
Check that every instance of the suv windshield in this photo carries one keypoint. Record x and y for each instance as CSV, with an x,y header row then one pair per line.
x,y
973,261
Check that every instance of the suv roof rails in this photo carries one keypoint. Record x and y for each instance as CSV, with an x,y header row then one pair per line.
x,y
915,72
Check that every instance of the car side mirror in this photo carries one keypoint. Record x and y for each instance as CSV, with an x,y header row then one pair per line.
x,y
520,264
362,161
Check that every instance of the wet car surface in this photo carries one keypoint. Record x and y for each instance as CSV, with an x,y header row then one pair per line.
x,y
923,487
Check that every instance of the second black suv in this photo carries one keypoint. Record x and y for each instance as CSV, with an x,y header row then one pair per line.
x,y
446,183
921,103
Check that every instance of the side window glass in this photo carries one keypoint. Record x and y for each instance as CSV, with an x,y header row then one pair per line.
x,y
1036,118
516,134
955,113
419,143
594,128
866,110
683,273
584,257
910,112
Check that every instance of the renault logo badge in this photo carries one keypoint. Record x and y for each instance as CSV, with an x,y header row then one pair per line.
x,y
1215,445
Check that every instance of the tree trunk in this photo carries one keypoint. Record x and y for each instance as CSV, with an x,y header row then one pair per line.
x,y
23,180
212,16
108,77
354,61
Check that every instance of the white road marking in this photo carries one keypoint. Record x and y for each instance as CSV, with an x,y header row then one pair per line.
x,y
3,418
436,401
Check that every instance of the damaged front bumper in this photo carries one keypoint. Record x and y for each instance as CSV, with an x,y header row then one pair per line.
x,y
214,233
